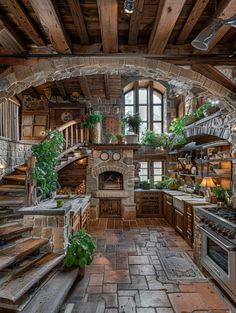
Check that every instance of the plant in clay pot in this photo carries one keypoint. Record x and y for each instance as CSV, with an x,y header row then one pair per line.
x,y
109,137
133,122
219,193
92,122
80,249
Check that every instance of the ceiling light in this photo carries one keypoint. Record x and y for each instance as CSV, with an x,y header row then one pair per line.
x,y
129,6
203,39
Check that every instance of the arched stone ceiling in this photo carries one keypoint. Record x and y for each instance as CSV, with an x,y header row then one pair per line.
x,y
18,78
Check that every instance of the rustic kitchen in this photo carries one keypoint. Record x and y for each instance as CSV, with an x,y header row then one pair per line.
x,y
117,156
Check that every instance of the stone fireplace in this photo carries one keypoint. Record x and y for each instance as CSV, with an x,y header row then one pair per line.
x,y
110,180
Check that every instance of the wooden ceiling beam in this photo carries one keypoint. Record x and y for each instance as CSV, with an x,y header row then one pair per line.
x,y
108,18
79,22
214,74
84,85
225,11
61,89
107,86
135,21
167,15
50,19
192,19
23,19
10,39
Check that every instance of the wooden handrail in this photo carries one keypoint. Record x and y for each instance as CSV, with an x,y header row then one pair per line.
x,y
68,124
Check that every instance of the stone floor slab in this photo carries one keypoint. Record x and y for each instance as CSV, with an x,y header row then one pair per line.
x,y
153,298
118,276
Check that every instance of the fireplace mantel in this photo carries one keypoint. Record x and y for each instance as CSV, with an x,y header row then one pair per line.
x,y
110,194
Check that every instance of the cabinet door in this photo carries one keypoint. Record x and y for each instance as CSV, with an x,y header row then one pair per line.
x,y
169,216
179,221
189,224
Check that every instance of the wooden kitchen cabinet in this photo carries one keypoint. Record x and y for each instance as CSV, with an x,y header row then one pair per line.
x,y
148,203
179,221
188,214
168,211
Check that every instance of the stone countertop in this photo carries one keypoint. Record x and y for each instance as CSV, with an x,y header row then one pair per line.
x,y
49,207
148,190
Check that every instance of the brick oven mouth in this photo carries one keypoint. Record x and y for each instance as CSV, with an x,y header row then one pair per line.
x,y
110,181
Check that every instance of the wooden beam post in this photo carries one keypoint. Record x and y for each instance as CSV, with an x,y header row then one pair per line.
x,y
85,87
107,86
108,17
50,19
61,89
167,15
135,21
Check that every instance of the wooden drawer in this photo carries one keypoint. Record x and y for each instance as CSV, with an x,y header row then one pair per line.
x,y
179,221
148,204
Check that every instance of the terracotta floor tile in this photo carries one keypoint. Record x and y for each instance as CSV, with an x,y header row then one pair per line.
x,y
109,288
118,276
94,289
96,280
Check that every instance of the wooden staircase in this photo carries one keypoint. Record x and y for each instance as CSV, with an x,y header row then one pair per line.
x,y
31,280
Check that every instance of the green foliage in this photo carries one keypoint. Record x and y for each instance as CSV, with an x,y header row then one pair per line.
x,y
219,193
169,183
197,187
92,119
133,122
199,113
79,250
111,137
154,139
46,154
60,203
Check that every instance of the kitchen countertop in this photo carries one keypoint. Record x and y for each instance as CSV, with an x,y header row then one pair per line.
x,y
49,207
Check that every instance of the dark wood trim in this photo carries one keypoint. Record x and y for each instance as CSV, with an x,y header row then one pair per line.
x,y
135,21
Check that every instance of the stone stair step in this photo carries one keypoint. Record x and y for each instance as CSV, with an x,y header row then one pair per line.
x,y
12,189
7,200
12,290
15,177
6,217
52,294
12,230
19,251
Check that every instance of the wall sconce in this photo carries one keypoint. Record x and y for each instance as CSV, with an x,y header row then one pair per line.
x,y
129,6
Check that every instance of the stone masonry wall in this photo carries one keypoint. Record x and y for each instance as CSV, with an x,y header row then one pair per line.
x,y
12,154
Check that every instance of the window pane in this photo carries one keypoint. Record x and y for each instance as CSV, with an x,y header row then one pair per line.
x,y
129,97
129,110
142,178
157,127
157,164
142,128
156,97
157,178
142,96
143,171
143,164
157,113
157,171
143,112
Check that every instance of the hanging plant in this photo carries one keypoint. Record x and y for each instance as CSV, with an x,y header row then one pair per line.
x,y
46,154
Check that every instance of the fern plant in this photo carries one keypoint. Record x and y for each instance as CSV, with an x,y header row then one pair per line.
x,y
79,250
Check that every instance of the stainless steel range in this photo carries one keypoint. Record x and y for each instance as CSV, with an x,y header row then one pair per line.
x,y
218,230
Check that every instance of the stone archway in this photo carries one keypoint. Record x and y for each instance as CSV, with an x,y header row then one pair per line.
x,y
22,77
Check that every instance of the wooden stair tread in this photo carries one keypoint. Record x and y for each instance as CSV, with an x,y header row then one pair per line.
x,y
19,284
52,294
7,231
19,251
12,188
22,168
17,177
7,200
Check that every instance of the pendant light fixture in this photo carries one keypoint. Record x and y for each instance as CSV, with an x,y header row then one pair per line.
x,y
129,6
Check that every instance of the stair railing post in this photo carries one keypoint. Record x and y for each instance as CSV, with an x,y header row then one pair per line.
x,y
30,183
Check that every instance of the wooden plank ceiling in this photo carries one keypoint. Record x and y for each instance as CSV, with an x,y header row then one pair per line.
x,y
160,29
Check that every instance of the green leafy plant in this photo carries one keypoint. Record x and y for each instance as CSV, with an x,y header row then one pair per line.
x,y
199,113
133,122
177,129
110,137
154,139
197,188
60,203
171,183
80,249
92,119
219,193
46,154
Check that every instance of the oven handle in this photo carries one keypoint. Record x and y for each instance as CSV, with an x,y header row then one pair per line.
x,y
218,239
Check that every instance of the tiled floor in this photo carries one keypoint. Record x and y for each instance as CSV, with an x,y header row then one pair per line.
x,y
126,275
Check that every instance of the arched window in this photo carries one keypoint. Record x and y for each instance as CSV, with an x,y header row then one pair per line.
x,y
147,98
148,101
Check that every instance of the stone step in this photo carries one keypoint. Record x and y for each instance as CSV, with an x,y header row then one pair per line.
x,y
16,287
19,251
10,231
86,307
9,217
12,189
8,200
52,294
15,177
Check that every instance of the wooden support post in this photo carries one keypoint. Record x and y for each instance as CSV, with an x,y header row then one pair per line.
x,y
71,136
30,183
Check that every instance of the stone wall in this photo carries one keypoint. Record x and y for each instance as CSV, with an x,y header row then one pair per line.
x,y
12,154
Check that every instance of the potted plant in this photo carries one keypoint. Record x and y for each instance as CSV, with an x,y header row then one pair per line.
x,y
177,136
109,137
133,122
47,153
79,252
156,140
146,184
119,137
92,121
219,193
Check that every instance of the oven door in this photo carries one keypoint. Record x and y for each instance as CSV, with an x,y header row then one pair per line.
x,y
219,259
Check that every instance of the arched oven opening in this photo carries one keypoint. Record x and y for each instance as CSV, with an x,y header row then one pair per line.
x,y
111,181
